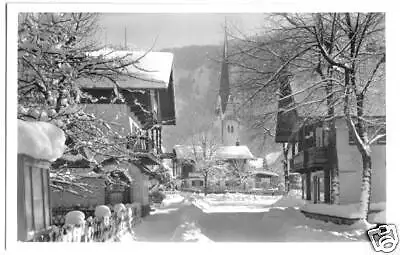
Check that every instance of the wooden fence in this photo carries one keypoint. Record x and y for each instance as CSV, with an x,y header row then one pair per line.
x,y
93,229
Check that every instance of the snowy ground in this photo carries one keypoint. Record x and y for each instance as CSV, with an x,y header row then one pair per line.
x,y
199,219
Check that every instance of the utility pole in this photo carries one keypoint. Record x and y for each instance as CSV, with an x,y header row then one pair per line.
x,y
125,40
105,38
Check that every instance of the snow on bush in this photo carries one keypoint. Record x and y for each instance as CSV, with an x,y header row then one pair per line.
x,y
40,140
102,211
119,207
239,200
75,218
172,199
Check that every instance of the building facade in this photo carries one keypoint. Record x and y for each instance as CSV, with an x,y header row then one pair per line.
x,y
308,156
148,104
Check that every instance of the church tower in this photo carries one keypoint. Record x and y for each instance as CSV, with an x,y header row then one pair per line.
x,y
227,107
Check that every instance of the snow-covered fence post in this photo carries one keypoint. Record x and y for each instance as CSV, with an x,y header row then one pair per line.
x,y
89,229
103,215
119,224
39,143
129,218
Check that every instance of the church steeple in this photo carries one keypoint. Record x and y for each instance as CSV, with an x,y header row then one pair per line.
x,y
224,90
226,104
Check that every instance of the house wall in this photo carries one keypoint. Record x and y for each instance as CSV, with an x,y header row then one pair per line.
x,y
118,113
139,186
67,199
350,168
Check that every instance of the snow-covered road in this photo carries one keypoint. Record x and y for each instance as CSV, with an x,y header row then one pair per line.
x,y
185,220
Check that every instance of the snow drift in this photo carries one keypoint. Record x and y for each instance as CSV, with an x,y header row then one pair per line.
x,y
346,211
40,140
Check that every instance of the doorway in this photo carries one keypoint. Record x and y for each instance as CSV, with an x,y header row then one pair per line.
x,y
318,189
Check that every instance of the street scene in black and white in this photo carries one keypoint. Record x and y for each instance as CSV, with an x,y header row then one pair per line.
x,y
202,127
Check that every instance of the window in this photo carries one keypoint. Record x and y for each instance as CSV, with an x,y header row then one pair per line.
x,y
197,183
231,129
319,137
37,200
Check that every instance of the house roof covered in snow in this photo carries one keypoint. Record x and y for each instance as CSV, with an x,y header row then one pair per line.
x,y
150,70
187,151
256,163
265,173
234,152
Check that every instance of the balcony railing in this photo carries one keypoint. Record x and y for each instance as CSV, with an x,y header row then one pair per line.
x,y
143,144
140,144
315,157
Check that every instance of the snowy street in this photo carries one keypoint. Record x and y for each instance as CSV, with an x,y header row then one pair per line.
x,y
192,218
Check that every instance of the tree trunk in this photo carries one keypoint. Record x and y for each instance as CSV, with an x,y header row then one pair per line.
x,y
333,164
286,168
366,185
205,184
331,178
333,169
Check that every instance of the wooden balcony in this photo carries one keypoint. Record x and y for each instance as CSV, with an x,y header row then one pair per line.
x,y
150,142
140,144
310,159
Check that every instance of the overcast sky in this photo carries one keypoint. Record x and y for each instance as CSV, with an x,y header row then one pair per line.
x,y
172,30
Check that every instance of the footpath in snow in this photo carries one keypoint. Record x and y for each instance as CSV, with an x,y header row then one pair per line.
x,y
194,218
271,219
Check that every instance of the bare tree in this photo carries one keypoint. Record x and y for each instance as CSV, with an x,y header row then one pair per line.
x,y
55,55
204,147
340,57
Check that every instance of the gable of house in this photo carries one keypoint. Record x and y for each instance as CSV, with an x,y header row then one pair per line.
x,y
150,79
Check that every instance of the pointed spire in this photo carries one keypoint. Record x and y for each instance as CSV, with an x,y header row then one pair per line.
x,y
224,79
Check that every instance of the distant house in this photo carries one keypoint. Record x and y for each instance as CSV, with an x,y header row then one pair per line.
x,y
260,178
184,165
238,158
183,160
125,186
307,138
149,104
